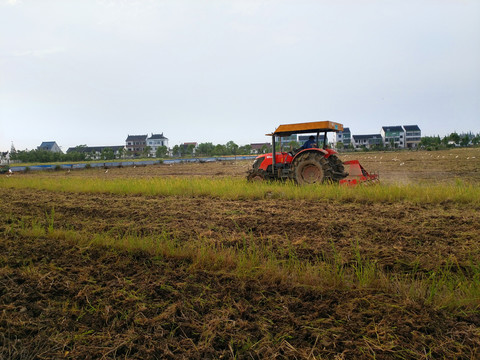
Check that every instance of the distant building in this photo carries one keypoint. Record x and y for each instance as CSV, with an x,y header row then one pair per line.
x,y
393,136
413,135
186,145
4,157
136,143
155,141
50,146
344,137
259,148
286,140
95,152
367,141
303,138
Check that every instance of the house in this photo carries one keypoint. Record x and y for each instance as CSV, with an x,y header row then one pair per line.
x,y
4,157
303,138
367,141
96,152
413,135
136,143
50,146
261,148
393,136
189,145
155,141
286,140
344,137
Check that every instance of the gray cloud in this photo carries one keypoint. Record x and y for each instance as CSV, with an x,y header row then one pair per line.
x,y
94,71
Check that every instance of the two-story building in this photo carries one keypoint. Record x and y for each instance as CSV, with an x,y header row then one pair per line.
x,y
261,148
155,141
343,137
413,135
367,141
136,143
393,136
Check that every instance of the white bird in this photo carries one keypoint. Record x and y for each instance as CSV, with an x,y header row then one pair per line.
x,y
401,164
106,171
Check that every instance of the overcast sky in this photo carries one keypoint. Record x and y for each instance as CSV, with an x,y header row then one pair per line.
x,y
93,71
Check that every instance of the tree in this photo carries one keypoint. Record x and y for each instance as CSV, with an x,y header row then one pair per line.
x,y
231,148
205,149
465,140
13,152
177,151
454,137
293,145
161,151
220,150
190,148
146,151
108,154
245,149
121,153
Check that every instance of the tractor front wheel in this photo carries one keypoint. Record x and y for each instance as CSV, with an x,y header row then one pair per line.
x,y
256,175
337,167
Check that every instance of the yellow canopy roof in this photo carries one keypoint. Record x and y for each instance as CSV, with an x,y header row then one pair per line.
x,y
308,127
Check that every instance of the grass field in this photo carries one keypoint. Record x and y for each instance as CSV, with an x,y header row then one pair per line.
x,y
190,261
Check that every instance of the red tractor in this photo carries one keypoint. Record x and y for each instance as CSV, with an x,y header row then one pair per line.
x,y
309,165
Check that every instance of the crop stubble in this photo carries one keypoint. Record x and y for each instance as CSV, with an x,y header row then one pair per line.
x,y
63,299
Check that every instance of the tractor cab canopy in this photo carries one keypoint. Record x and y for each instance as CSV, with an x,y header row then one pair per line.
x,y
308,127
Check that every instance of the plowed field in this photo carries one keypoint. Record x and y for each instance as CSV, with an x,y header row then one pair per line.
x,y
64,294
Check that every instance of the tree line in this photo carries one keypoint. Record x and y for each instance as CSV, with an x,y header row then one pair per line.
x,y
79,153
452,140
209,149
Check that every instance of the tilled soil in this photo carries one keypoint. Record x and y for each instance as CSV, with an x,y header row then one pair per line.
x,y
59,300
395,235
63,299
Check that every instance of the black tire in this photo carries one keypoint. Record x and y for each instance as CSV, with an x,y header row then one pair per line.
x,y
256,175
338,170
312,168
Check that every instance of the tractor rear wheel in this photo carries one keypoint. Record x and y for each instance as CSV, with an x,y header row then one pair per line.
x,y
256,175
311,168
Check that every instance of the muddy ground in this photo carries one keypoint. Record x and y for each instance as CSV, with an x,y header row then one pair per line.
x,y
63,299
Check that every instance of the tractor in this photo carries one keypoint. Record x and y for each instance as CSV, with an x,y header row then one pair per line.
x,y
308,165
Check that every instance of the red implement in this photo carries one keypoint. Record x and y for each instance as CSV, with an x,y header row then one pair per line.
x,y
357,175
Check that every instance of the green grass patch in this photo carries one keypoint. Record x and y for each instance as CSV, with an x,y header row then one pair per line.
x,y
448,286
234,189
